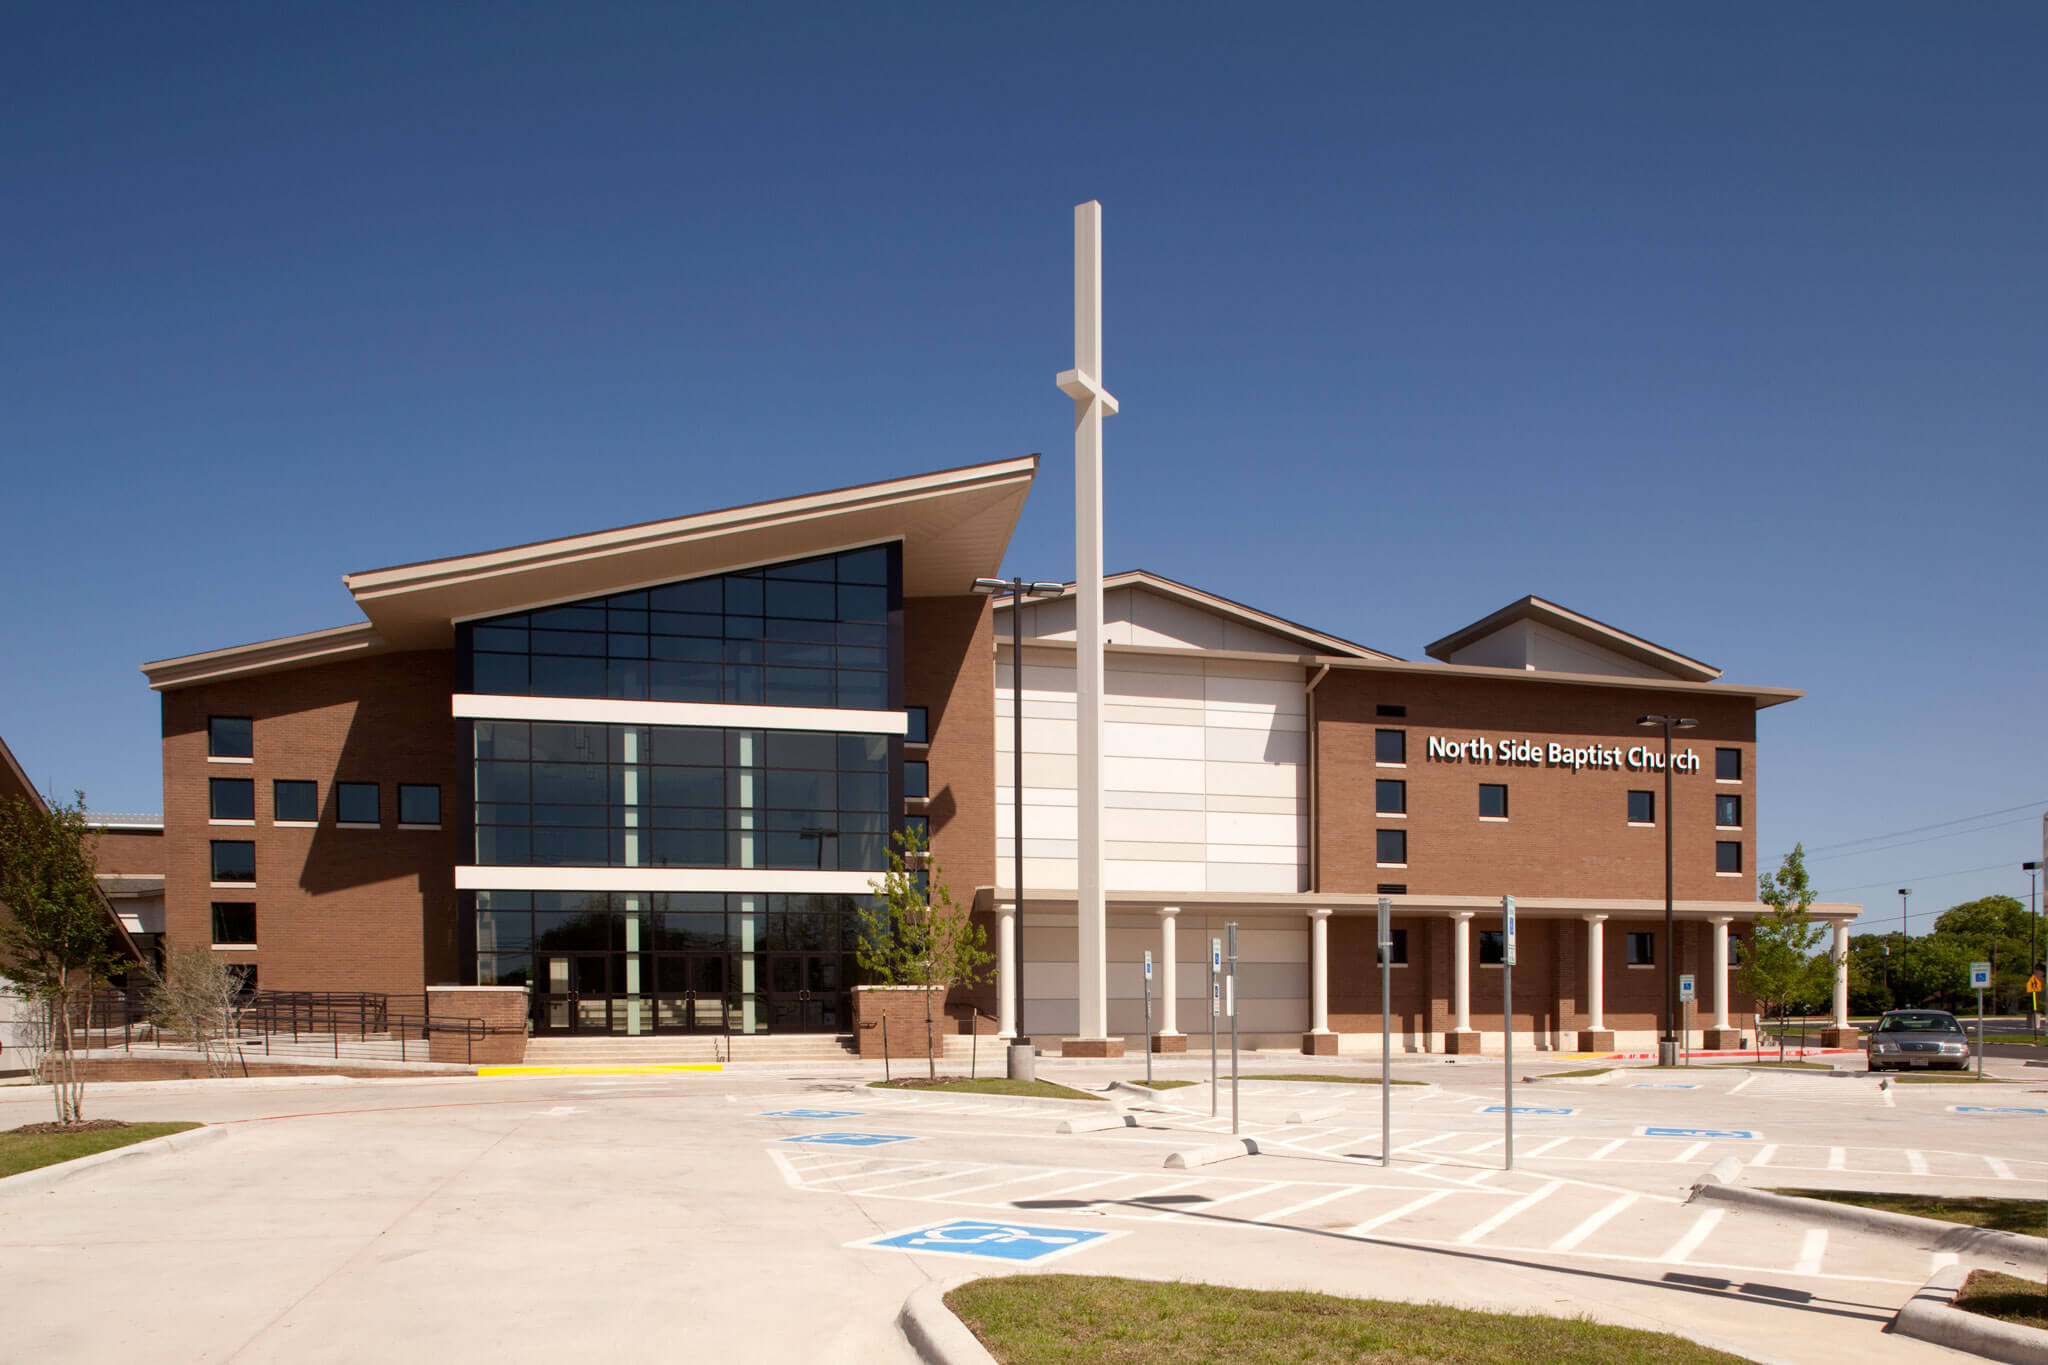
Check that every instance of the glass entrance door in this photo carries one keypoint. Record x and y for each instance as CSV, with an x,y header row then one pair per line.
x,y
690,993
576,992
806,993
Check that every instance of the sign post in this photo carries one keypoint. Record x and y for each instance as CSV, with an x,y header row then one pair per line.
x,y
1215,1008
1980,977
1148,1018
1507,1017
1386,1032
1230,1004
1685,998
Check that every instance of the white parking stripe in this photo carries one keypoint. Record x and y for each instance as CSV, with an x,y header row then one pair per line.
x,y
1689,1153
1811,1250
947,1196
1763,1158
914,1180
1612,1146
1225,1199
1999,1168
1694,1235
1480,1147
1424,1142
1745,1082
1592,1224
1275,1215
1838,1159
1527,1201
1915,1162
1084,1185
1390,1215
1543,1147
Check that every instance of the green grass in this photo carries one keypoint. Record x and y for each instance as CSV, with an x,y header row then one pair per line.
x,y
25,1151
1943,1078
2023,1303
1164,1084
2017,1039
1570,1075
1789,1064
1320,1078
994,1085
2027,1216
1069,1319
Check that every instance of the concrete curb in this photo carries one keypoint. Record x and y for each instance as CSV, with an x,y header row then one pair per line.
x,y
1188,1157
42,1178
1097,1123
934,1333
1105,1105
1928,1234
1931,1315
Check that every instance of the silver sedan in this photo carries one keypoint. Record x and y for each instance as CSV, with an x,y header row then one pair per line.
x,y
1917,1038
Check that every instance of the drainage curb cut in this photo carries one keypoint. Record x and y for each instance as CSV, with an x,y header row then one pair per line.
x,y
1929,1234
1931,1316
934,1333
42,1177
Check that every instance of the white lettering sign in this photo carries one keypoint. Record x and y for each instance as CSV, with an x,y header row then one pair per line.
x,y
1536,753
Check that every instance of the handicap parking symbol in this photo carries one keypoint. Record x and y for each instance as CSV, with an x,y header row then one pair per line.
x,y
850,1139
810,1114
1663,1085
1740,1134
1991,1109
1527,1109
1016,1243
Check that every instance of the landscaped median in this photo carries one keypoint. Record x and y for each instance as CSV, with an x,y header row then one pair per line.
x,y
1058,1319
990,1085
47,1144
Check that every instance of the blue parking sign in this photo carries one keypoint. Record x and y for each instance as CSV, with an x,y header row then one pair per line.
x,y
810,1114
1528,1109
851,1139
1016,1243
1992,1109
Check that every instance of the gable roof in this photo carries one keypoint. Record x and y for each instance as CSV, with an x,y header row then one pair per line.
x,y
1598,633
14,783
1311,641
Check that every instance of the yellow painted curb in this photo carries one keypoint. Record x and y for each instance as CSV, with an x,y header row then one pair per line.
x,y
641,1069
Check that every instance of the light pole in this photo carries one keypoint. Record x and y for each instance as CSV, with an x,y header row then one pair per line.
x,y
1023,1064
1667,1044
1906,911
2033,871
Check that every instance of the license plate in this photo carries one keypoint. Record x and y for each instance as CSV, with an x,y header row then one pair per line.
x,y
1917,1061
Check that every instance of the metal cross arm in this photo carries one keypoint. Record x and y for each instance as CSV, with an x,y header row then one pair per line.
x,y
1080,386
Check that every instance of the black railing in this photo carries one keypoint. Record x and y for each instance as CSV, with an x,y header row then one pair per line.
x,y
121,1019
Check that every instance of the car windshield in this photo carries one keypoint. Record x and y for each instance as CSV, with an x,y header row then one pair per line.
x,y
1919,1023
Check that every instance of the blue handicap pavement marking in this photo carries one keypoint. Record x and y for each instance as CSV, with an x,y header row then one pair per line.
x,y
810,1114
1664,1085
1526,1109
851,1139
1026,1243
1744,1134
1992,1109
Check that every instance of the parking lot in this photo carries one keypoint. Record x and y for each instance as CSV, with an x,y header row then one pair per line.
x,y
789,1212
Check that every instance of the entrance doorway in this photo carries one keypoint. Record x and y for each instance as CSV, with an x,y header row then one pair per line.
x,y
576,992
690,993
806,993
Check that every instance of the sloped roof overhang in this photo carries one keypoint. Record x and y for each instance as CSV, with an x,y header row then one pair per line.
x,y
1223,606
1611,638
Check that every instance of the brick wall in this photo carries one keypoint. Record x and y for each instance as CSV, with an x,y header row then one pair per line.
x,y
133,852
503,1010
903,1007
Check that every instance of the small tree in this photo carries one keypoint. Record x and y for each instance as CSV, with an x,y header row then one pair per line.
x,y
1781,965
201,998
54,942
919,937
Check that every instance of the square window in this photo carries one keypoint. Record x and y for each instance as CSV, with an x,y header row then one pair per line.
x,y
1728,856
1642,808
920,725
356,803
917,779
418,805
230,737
1390,746
1642,950
1399,956
1493,800
1728,812
298,801
919,828
1728,764
1390,797
1492,947
234,860
231,798
1392,845
234,922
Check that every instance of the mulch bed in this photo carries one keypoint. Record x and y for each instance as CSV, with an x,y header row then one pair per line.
x,y
925,1082
83,1126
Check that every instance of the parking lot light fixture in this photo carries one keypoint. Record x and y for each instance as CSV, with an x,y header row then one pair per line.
x,y
1667,1042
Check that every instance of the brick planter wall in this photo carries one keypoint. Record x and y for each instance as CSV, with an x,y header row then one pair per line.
x,y
903,1007
503,1010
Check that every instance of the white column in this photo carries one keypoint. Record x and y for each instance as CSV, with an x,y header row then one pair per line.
x,y
1721,971
1083,384
1319,971
1461,972
1006,970
1169,1018
1841,973
1596,962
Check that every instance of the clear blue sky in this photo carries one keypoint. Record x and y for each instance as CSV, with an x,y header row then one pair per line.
x,y
1723,324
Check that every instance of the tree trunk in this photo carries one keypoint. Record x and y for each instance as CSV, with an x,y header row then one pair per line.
x,y
931,1063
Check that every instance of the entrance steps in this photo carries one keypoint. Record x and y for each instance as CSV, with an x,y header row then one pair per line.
x,y
656,1049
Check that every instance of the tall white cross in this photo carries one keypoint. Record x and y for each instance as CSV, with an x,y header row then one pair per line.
x,y
1092,403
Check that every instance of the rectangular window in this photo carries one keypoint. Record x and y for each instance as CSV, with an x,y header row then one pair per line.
x,y
1642,808
231,798
1390,746
355,803
1728,765
1393,889
1642,950
1392,711
1390,796
1399,956
1492,947
1493,801
1728,856
295,801
418,804
230,737
917,779
234,860
920,725
1392,846
1728,812
918,827
234,922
